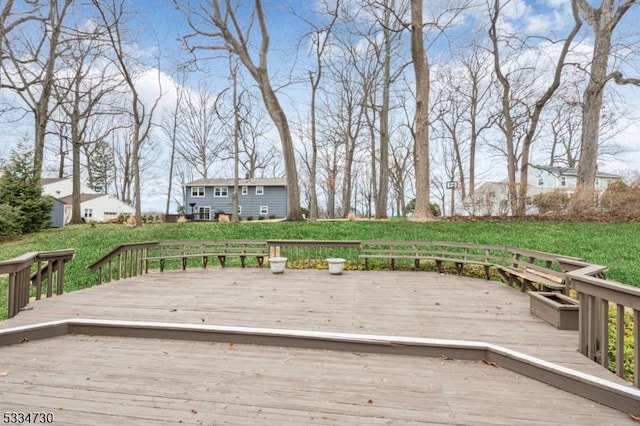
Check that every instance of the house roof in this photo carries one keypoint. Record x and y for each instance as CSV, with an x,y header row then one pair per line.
x,y
572,171
83,197
241,182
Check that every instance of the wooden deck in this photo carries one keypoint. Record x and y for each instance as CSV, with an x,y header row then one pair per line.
x,y
86,380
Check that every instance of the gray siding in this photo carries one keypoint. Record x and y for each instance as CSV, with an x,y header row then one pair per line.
x,y
274,198
57,214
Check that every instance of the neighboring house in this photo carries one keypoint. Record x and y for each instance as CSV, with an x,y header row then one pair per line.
x,y
93,205
492,197
205,198
61,187
550,178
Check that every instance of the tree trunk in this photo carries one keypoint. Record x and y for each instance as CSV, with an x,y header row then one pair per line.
x,y
347,177
280,120
421,69
313,167
603,21
76,143
383,186
591,110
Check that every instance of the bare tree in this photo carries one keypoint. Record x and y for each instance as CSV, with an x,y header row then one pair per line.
x,y
346,113
603,20
170,123
421,70
199,137
233,70
319,40
29,64
518,191
219,20
122,149
80,92
401,168
11,19
112,15
256,153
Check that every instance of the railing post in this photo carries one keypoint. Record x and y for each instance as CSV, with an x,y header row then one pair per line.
x,y
603,310
636,346
620,340
60,276
49,279
38,280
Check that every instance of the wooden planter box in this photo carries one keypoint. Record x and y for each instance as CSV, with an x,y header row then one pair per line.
x,y
555,308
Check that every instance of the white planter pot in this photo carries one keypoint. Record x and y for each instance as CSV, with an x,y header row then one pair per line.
x,y
277,264
336,265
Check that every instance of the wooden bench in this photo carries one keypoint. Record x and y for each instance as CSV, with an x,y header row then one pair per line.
x,y
185,250
525,273
440,252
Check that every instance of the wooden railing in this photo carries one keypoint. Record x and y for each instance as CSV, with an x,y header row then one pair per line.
x,y
49,272
596,297
124,261
308,253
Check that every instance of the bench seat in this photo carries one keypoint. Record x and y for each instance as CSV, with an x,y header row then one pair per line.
x,y
204,250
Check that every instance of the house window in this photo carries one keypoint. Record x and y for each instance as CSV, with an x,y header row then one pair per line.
x,y
264,209
220,191
598,182
245,190
563,181
540,182
197,191
239,210
259,190
88,213
204,213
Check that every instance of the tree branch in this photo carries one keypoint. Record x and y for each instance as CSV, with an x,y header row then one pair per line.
x,y
619,78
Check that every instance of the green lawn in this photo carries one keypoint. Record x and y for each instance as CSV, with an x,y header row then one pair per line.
x,y
616,245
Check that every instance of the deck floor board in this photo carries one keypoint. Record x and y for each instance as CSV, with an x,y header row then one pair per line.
x,y
148,381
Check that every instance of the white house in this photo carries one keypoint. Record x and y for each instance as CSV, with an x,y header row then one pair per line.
x,y
93,205
491,198
550,178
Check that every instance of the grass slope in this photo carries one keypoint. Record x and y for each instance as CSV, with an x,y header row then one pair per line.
x,y
616,245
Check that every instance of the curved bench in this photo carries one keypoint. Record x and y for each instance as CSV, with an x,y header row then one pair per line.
x,y
527,269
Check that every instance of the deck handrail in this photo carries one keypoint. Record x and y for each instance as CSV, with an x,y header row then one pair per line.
x,y
130,256
128,266
49,269
595,296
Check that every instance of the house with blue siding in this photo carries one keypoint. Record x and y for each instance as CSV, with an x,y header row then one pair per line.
x,y
205,199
